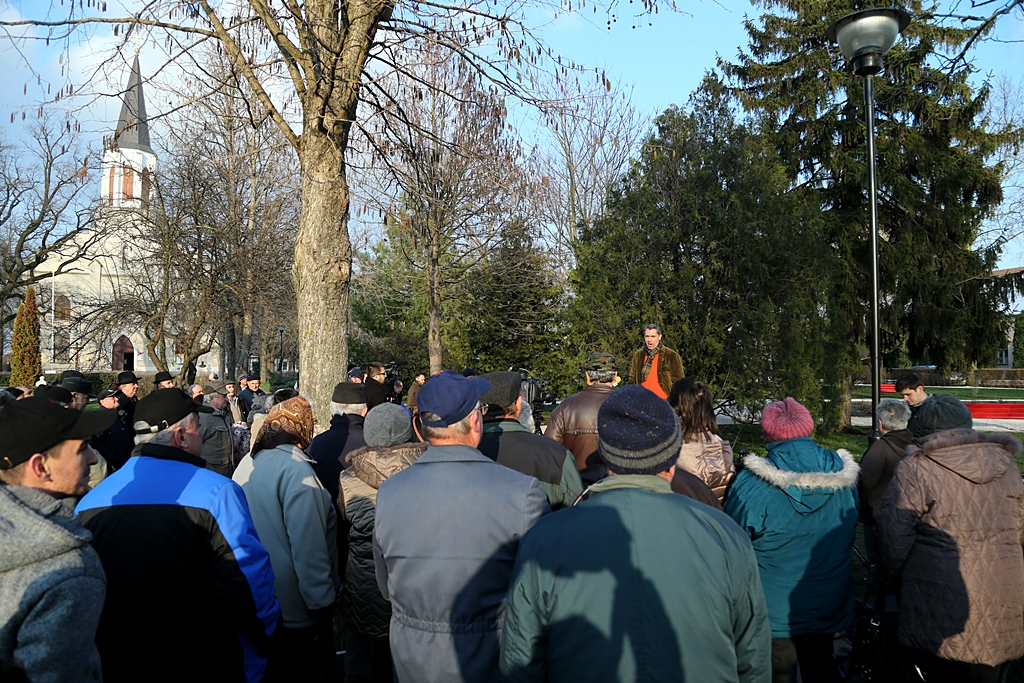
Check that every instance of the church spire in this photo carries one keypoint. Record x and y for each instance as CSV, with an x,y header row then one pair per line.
x,y
133,125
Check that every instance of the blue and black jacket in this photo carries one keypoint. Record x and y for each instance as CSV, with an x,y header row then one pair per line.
x,y
190,589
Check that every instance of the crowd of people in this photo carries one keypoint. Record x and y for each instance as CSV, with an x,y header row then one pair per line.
x,y
213,535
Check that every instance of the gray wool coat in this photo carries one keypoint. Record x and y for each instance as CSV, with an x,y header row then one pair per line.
x,y
445,539
52,588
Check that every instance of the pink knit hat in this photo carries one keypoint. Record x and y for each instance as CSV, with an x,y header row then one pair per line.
x,y
786,420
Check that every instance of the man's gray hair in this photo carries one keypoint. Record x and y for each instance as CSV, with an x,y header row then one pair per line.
x,y
347,408
893,414
652,326
165,436
601,375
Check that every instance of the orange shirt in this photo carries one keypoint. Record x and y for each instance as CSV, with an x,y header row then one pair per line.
x,y
652,383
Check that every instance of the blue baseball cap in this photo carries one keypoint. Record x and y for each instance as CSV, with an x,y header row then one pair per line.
x,y
450,396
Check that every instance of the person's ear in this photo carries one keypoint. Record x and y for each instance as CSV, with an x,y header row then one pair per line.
x,y
37,467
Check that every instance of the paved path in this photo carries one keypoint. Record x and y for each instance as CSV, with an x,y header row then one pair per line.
x,y
980,425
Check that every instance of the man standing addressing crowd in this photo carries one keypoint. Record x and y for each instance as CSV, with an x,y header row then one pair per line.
x,y
51,581
656,367
190,589
445,538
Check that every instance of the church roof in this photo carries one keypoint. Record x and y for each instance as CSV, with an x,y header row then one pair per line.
x,y
133,124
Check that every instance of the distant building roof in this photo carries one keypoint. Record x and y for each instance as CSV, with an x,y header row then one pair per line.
x,y
1007,271
133,123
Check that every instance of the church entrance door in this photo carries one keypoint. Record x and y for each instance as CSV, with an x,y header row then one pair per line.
x,y
124,355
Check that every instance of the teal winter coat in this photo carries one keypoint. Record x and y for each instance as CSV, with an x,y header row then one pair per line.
x,y
637,584
799,507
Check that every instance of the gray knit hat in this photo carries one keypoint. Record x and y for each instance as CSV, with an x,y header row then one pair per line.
x,y
387,425
939,412
638,432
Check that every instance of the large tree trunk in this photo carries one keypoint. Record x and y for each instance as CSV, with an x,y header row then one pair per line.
x,y
322,270
434,346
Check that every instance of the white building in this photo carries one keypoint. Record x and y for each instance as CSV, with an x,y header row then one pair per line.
x,y
66,342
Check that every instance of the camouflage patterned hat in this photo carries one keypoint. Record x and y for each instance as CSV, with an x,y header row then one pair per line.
x,y
598,362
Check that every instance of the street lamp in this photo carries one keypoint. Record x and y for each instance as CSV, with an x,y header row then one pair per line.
x,y
864,37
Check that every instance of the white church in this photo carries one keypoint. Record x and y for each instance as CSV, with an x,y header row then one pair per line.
x,y
128,171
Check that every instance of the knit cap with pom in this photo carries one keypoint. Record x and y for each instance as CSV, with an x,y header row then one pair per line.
x,y
786,420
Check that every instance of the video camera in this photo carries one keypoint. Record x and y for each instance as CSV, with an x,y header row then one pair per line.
x,y
535,392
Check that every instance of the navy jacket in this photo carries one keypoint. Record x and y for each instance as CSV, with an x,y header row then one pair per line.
x,y
190,589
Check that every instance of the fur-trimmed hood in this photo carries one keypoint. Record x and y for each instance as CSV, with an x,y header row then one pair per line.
x,y
807,473
975,456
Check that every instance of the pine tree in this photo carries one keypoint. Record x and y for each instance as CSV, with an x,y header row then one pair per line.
x,y
26,361
937,183
703,239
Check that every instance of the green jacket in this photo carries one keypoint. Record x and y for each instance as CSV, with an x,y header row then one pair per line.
x,y
636,584
509,443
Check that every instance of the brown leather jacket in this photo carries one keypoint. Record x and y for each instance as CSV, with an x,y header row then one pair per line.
x,y
573,424
952,522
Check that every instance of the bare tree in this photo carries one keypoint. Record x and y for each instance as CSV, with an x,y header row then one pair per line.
x,y
322,55
46,213
454,173
592,132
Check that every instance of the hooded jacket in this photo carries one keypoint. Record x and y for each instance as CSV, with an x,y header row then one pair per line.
x,y
952,521
798,505
52,588
363,608
710,458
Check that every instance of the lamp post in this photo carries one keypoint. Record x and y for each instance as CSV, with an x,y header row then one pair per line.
x,y
864,37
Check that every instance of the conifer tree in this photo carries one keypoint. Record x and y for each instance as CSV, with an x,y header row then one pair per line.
x,y
937,182
26,361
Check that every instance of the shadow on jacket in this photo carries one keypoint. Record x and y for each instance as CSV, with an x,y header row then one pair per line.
x,y
600,594
952,522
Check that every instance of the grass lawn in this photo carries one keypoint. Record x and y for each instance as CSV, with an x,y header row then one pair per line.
x,y
963,393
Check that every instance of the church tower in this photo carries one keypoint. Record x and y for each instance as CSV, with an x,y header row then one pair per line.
x,y
129,163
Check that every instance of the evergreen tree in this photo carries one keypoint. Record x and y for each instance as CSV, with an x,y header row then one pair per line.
x,y
936,181
26,361
703,239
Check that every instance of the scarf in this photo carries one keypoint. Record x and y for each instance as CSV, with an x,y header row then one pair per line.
x,y
649,355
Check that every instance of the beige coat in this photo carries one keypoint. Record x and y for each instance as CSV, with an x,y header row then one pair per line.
x,y
952,522
710,458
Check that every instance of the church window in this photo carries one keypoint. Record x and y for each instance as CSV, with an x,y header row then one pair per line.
x,y
145,188
110,189
62,308
62,350
129,180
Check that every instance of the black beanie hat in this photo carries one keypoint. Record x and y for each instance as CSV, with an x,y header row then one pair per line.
x,y
638,432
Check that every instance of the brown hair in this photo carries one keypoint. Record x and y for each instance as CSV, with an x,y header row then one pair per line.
x,y
694,404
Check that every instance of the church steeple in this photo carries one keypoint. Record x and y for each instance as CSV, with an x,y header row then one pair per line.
x,y
129,163
133,124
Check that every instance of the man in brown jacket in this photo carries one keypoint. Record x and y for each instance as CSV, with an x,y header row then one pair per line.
x,y
952,523
573,422
655,366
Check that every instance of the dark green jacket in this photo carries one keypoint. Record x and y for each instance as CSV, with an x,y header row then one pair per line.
x,y
509,443
636,584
